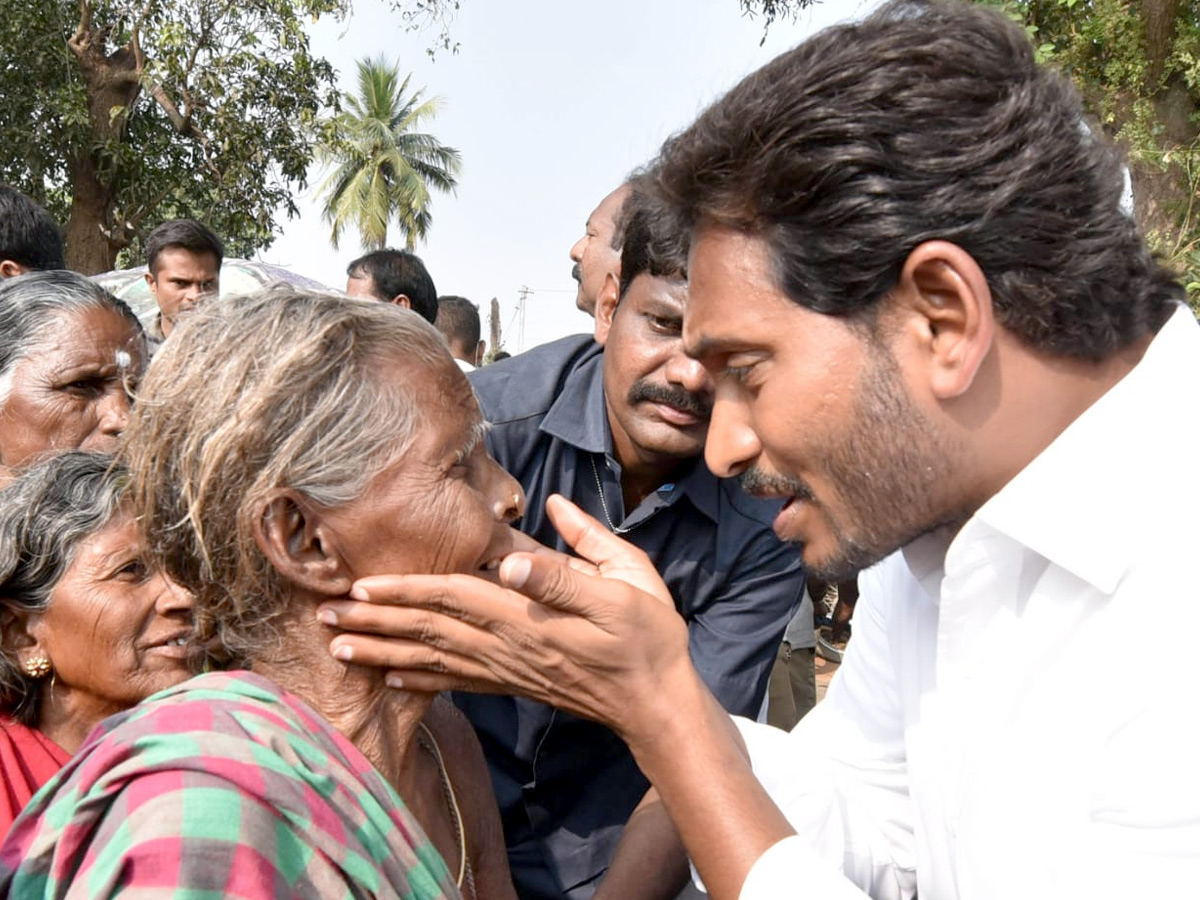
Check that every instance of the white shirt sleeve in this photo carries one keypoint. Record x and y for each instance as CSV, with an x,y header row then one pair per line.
x,y
791,868
841,776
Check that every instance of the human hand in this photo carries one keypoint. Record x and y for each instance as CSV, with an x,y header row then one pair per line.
x,y
593,636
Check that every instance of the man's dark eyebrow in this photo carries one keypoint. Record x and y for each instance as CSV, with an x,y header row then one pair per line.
x,y
663,305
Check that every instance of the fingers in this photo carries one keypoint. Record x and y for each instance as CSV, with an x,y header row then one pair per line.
x,y
436,651
421,666
476,601
614,557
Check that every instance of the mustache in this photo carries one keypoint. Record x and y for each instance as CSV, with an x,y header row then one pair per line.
x,y
685,401
758,483
576,273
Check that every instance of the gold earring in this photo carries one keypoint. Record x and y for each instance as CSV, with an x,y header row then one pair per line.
x,y
37,668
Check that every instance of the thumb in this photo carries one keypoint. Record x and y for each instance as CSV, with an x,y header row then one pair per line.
x,y
587,537
615,558
546,579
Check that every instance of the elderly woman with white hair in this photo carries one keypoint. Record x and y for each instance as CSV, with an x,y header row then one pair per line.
x,y
69,354
285,445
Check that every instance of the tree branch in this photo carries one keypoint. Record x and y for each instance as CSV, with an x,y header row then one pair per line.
x,y
130,223
181,123
135,37
81,38
184,125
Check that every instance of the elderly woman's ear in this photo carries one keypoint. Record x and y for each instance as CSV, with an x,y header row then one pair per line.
x,y
294,537
16,637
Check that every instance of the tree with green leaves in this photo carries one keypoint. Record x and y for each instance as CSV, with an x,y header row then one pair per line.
x,y
384,168
1137,63
118,114
438,16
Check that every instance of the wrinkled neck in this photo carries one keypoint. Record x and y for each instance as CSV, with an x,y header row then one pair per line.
x,y
379,720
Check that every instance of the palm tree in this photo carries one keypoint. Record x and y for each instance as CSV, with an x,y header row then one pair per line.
x,y
384,168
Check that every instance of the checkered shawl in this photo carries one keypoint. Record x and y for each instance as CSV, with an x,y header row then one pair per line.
x,y
224,786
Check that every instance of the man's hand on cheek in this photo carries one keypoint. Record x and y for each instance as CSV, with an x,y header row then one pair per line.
x,y
583,635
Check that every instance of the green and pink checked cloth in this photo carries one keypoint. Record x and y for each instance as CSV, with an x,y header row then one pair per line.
x,y
222,787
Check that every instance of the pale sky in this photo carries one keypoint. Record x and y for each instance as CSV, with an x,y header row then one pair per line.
x,y
551,103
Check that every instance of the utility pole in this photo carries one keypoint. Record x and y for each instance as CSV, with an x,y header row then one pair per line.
x,y
494,325
522,295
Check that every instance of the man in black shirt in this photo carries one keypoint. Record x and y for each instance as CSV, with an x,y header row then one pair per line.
x,y
618,425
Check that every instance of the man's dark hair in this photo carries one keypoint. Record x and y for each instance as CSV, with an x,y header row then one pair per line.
x,y
928,120
28,234
458,320
653,240
399,272
186,233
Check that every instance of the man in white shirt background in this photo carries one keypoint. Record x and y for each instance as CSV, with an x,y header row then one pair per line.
x,y
458,321
933,329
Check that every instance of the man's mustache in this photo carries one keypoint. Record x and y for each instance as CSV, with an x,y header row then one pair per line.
x,y
685,401
576,274
757,483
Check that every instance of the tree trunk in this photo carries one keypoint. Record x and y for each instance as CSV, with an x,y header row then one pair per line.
x,y
112,82
88,249
1160,192
1158,21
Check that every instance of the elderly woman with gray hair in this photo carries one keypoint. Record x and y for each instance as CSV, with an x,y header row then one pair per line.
x,y
87,628
69,352
285,445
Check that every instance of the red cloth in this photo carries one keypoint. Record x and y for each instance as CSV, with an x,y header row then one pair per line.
x,y
28,759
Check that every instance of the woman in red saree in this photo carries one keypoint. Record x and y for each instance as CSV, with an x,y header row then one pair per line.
x,y
86,628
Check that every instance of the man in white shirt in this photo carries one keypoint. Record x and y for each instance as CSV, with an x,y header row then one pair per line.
x,y
933,330
458,321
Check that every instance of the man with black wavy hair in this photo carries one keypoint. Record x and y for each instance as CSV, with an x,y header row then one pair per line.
x,y
394,276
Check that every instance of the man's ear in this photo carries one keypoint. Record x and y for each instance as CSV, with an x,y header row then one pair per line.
x,y
297,541
606,307
952,319
480,352
402,300
10,269
153,283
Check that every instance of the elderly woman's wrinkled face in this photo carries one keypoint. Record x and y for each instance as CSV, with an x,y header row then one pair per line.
x,y
444,506
72,390
114,631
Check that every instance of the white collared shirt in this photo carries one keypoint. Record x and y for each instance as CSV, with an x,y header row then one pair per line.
x,y
1018,715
